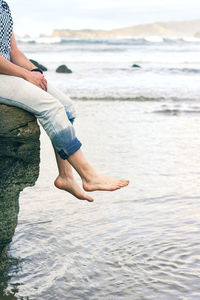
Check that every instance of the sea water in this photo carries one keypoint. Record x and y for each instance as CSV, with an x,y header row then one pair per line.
x,y
141,242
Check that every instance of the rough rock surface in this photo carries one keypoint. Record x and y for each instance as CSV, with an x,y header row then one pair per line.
x,y
19,167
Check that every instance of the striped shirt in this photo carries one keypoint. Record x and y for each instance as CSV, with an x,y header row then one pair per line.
x,y
6,28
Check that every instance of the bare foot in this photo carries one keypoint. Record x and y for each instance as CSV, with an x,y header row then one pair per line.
x,y
70,185
103,183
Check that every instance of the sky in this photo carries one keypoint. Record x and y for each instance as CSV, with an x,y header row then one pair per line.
x,y
42,16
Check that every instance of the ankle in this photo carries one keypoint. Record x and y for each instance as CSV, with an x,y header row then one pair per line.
x,y
65,175
89,176
86,172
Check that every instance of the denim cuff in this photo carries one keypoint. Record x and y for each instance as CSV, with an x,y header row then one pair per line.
x,y
74,146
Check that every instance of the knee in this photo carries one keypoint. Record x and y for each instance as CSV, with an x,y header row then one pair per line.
x,y
50,109
71,117
71,113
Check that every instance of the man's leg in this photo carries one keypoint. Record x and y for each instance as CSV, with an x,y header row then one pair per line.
x,y
49,111
52,116
64,99
66,181
92,180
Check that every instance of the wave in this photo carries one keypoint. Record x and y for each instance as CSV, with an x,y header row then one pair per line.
x,y
108,41
113,98
155,70
142,68
176,112
181,40
112,42
184,70
50,40
135,98
21,41
84,41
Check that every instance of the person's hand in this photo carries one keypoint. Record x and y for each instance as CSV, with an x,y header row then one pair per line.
x,y
37,78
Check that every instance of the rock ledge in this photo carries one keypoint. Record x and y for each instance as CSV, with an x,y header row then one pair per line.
x,y
19,167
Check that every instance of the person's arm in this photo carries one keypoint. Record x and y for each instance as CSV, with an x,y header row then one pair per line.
x,y
19,66
18,58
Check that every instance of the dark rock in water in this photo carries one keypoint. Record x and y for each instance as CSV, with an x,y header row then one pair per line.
x,y
19,168
135,66
63,69
43,68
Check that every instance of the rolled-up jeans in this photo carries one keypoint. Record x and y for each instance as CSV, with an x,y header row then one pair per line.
x,y
53,109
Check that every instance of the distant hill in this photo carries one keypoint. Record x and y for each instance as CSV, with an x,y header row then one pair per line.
x,y
163,29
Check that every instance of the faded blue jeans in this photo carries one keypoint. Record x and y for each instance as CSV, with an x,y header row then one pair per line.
x,y
53,109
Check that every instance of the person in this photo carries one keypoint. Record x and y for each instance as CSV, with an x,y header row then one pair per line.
x,y
23,85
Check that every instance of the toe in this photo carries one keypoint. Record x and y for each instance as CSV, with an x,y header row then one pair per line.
x,y
89,199
124,182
